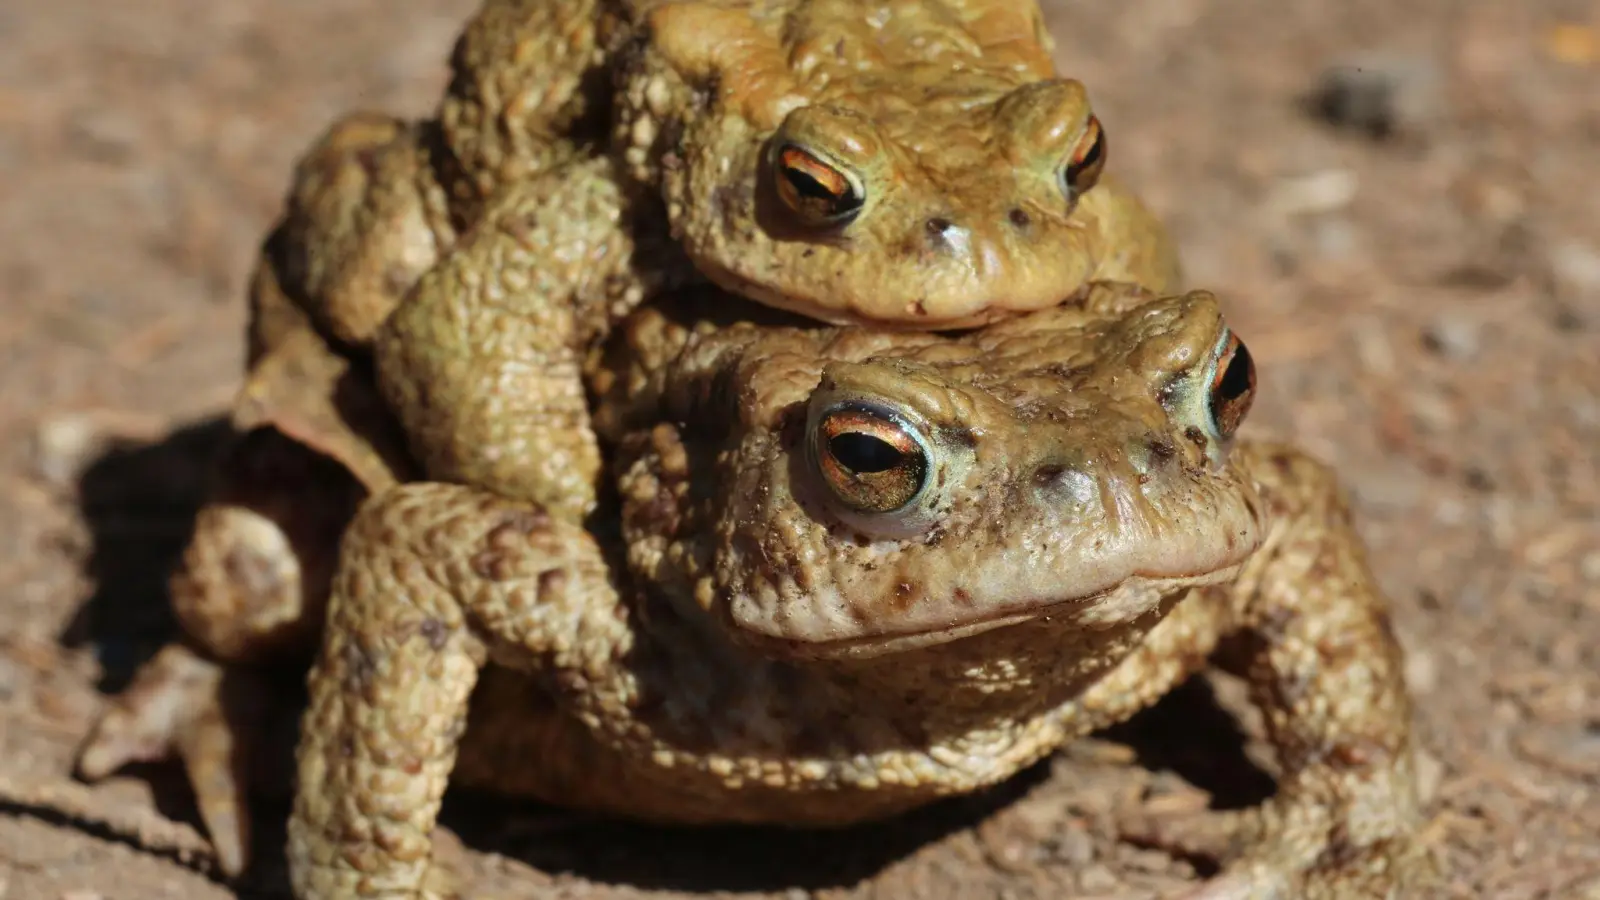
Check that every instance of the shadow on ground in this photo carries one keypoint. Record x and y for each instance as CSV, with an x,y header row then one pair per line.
x,y
1188,732
139,502
708,859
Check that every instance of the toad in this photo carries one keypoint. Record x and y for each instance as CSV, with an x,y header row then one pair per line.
x,y
856,570
916,164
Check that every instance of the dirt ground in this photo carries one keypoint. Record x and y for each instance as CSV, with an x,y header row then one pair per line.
x,y
1414,261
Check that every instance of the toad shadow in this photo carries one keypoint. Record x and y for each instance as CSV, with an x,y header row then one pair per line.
x,y
139,502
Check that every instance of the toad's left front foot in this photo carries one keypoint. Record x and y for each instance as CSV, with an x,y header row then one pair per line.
x,y
1293,847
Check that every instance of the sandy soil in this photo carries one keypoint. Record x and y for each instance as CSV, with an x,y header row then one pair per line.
x,y
1416,266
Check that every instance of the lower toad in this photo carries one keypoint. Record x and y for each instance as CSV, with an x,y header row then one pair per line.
x,y
857,571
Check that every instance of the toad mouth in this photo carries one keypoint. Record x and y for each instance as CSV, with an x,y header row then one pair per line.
x,y
1142,596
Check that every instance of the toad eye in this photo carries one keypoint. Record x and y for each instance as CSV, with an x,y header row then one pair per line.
x,y
1233,387
873,462
819,193
1082,168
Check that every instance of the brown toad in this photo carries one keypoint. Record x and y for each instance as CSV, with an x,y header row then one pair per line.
x,y
917,164
859,570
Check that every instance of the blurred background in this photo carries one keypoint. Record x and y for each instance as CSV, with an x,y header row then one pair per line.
x,y
1399,203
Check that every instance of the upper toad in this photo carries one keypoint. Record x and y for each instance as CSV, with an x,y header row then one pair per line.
x,y
917,164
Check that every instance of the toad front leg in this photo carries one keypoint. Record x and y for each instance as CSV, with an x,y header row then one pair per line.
x,y
1325,668
433,580
481,361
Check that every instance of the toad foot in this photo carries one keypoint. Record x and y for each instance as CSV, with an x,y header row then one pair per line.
x,y
183,705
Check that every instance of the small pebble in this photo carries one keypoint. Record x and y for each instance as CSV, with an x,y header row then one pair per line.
x,y
1454,337
1075,847
1589,567
1572,750
1325,191
1421,671
1379,94
1149,860
61,446
105,135
1096,878
1008,847
1334,238
1433,412
1575,276
1373,347
1493,195
1430,775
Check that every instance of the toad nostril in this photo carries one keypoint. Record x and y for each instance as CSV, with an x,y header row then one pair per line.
x,y
938,226
1020,218
1065,482
1048,474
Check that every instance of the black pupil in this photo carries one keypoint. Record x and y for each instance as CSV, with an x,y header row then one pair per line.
x,y
863,453
1090,159
1236,380
810,187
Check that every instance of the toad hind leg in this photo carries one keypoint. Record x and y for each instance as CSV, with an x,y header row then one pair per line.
x,y
433,580
529,89
249,588
184,704
1325,668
